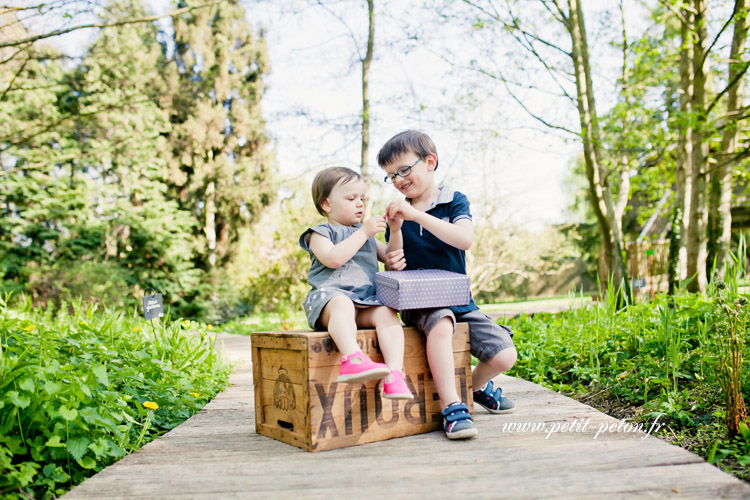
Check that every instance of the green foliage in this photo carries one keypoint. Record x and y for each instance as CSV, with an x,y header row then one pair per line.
x,y
290,319
219,168
729,327
508,261
105,163
73,388
656,357
272,273
89,281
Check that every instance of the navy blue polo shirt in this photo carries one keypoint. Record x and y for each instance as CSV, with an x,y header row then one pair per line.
x,y
423,250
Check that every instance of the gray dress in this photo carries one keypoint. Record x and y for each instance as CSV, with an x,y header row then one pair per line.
x,y
355,279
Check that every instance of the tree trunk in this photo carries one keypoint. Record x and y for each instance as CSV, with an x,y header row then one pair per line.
x,y
210,225
721,176
683,188
599,187
696,244
623,193
366,103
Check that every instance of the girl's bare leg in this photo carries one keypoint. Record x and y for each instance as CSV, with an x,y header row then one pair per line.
x,y
390,333
338,317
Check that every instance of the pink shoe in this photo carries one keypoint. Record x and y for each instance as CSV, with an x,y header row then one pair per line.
x,y
359,368
396,388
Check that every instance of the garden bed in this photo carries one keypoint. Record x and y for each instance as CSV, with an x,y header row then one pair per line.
x,y
656,359
81,388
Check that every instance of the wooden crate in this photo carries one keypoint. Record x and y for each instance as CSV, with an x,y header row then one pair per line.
x,y
299,402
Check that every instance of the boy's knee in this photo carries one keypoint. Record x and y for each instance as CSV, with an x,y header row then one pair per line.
x,y
504,360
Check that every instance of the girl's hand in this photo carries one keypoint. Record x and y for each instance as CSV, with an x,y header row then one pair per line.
x,y
395,260
374,225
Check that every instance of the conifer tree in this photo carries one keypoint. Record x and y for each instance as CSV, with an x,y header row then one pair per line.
x,y
82,195
143,230
219,168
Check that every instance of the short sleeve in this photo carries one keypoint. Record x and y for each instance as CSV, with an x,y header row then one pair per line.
x,y
322,229
460,208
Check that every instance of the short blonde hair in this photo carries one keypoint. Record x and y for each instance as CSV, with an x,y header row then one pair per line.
x,y
326,180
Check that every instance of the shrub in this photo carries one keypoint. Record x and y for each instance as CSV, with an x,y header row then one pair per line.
x,y
79,391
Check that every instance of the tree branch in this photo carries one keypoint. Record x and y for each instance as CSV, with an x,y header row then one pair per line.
x,y
528,45
734,159
119,22
678,12
527,42
731,84
23,140
716,38
559,16
351,32
516,27
12,80
525,108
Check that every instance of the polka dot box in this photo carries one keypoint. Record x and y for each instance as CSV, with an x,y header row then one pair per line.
x,y
422,289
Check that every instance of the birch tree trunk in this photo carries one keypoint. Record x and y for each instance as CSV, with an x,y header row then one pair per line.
x,y
721,175
366,62
599,186
210,225
684,155
697,238
623,193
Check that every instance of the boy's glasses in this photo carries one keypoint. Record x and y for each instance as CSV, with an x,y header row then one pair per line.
x,y
401,172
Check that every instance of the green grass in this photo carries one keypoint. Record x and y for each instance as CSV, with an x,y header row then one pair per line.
x,y
539,303
289,320
295,319
81,389
654,359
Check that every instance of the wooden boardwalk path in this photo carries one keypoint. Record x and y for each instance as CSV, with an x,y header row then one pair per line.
x,y
217,454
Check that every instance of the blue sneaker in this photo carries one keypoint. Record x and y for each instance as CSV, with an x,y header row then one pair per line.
x,y
492,399
457,421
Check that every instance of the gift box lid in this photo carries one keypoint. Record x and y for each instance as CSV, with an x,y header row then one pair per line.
x,y
422,288
394,278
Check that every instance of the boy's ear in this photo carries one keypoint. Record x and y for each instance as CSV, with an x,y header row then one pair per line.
x,y
431,162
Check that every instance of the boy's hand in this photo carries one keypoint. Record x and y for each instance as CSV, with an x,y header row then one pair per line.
x,y
395,260
374,225
395,224
401,209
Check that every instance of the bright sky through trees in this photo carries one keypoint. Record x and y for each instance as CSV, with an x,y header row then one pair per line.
x,y
488,146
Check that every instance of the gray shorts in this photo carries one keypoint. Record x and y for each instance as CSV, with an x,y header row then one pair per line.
x,y
486,337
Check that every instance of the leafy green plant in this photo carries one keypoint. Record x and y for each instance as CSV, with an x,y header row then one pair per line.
x,y
79,391
656,358
729,325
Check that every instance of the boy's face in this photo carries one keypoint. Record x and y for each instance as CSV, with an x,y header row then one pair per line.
x,y
421,177
346,203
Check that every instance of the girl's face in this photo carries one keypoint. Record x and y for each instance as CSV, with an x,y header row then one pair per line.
x,y
346,203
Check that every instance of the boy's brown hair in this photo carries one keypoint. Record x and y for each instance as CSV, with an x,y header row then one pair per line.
x,y
326,180
408,141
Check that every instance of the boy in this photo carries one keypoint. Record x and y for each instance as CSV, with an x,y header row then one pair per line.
x,y
431,229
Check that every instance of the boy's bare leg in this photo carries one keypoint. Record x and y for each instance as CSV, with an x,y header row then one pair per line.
x,y
440,359
390,333
338,317
486,371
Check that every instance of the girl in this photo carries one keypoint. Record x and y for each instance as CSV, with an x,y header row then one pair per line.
x,y
345,256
